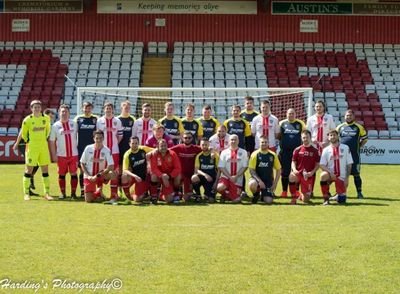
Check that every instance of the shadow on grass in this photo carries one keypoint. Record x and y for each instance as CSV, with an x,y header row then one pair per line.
x,y
379,198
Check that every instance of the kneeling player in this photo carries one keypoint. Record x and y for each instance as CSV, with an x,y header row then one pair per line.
x,y
165,169
262,164
336,164
98,168
232,165
305,163
205,171
135,170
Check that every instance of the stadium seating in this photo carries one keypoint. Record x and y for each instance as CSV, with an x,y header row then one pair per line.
x,y
364,77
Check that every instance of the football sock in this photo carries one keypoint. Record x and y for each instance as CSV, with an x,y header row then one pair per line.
x,y
46,182
61,183
196,188
293,189
81,181
358,183
26,181
256,197
114,188
74,183
325,189
285,183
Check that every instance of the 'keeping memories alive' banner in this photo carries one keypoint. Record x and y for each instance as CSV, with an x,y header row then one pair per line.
x,y
177,7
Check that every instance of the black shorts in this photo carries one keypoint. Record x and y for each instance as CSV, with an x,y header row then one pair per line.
x,y
208,186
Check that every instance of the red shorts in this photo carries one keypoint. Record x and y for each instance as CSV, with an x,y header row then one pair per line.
x,y
306,186
140,187
116,161
231,187
90,187
67,164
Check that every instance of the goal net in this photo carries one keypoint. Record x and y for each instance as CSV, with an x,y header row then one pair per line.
x,y
220,99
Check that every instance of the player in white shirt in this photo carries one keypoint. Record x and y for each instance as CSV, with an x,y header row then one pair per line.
x,y
232,164
143,127
64,149
336,162
265,124
98,168
319,125
111,126
220,140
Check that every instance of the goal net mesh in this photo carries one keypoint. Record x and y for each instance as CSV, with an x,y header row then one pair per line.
x,y
220,99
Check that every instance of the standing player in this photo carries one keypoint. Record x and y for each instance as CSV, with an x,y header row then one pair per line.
x,y
135,170
290,139
305,163
127,121
64,149
98,168
336,164
238,126
265,124
206,171
319,125
261,165
165,169
173,124
220,140
142,128
232,165
187,153
249,114
112,129
353,135
86,123
210,124
35,130
191,124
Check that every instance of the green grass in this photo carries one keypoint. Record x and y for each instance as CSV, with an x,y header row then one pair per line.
x,y
206,248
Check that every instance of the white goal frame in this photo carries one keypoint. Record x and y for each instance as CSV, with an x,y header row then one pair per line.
x,y
110,90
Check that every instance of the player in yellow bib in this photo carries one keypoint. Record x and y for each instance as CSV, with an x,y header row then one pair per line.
x,y
35,131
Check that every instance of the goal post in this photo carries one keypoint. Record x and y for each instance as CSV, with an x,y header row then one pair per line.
x,y
220,99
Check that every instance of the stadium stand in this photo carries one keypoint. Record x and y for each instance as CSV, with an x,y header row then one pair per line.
x,y
365,77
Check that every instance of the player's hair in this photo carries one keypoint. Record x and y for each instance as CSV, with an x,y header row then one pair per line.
x,y
134,138
207,107
49,111
234,106
87,103
249,98
144,105
158,126
35,102
191,105
221,126
322,102
167,104
306,132
126,102
65,106
98,132
264,138
350,111
106,104
333,131
205,139
266,102
187,133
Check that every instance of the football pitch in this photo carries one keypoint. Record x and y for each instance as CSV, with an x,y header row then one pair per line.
x,y
68,246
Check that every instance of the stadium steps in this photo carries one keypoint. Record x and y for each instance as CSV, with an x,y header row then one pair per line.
x,y
156,72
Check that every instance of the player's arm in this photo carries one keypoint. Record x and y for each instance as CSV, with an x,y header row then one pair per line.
x,y
200,131
277,130
120,131
17,141
363,136
52,144
277,168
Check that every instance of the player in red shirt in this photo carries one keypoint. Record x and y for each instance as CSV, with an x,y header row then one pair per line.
x,y
165,168
305,163
187,153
